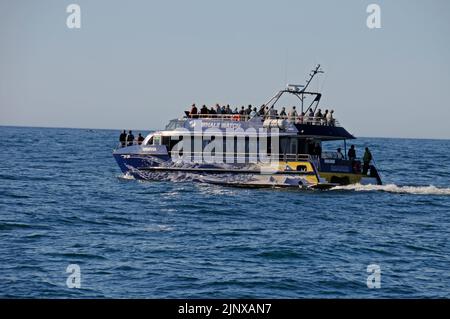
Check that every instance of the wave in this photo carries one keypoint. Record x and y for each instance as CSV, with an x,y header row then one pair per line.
x,y
392,188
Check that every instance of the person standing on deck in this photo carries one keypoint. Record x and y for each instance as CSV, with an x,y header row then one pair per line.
x,y
293,114
352,153
367,158
193,112
324,118
130,138
123,138
283,113
262,110
310,117
330,118
218,109
248,110
318,117
140,139
272,113
204,110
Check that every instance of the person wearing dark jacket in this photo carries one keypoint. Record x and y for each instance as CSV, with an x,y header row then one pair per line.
x,y
130,138
123,138
204,110
140,139
193,112
352,153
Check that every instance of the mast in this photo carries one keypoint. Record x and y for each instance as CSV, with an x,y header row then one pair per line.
x,y
299,91
312,74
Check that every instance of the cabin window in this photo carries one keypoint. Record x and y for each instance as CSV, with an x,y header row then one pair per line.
x,y
157,140
165,140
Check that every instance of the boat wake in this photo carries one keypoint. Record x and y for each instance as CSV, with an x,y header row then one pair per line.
x,y
126,176
392,188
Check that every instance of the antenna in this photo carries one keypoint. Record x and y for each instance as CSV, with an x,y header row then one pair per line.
x,y
312,75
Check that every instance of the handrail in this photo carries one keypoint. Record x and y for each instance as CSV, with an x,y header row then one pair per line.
x,y
285,156
129,143
293,119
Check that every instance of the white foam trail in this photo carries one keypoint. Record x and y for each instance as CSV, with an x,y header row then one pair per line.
x,y
126,176
392,188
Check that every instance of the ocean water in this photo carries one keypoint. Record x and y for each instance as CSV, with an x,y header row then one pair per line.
x,y
64,201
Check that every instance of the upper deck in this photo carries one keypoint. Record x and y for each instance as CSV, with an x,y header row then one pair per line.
x,y
301,126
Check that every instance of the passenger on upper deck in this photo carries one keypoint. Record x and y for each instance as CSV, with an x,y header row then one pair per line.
x,y
330,119
293,115
253,113
218,110
324,118
310,117
193,112
123,138
318,117
228,109
248,110
272,113
262,110
283,113
301,118
204,110
212,111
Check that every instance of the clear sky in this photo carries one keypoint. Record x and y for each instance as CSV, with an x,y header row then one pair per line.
x,y
137,64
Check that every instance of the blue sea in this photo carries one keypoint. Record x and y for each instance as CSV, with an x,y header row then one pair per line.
x,y
63,201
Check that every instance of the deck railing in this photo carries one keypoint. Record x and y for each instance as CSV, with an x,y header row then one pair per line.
x,y
281,157
293,119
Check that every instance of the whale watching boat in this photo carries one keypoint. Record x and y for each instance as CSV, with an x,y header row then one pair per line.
x,y
250,149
